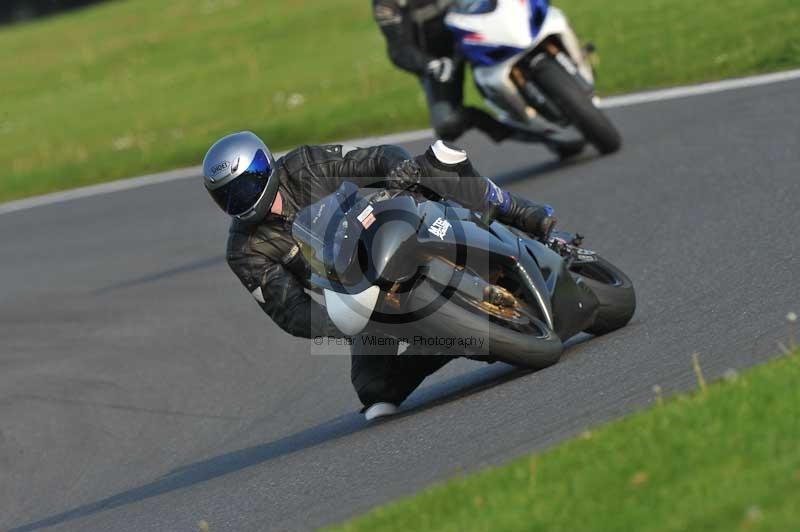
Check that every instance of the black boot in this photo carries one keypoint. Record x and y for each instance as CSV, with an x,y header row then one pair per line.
x,y
494,129
534,218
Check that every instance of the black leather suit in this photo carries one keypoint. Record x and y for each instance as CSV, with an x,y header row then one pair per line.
x,y
415,35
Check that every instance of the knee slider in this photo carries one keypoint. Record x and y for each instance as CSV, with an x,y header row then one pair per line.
x,y
376,391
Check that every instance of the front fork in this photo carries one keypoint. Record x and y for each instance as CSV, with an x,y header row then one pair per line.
x,y
569,65
543,105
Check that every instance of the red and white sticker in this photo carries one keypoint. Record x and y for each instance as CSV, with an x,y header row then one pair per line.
x,y
366,217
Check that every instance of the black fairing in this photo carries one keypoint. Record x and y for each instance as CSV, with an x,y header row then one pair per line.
x,y
391,240
410,239
573,306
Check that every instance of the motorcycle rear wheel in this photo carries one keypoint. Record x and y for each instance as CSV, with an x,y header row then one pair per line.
x,y
525,343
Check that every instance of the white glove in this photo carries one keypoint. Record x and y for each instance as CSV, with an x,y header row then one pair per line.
x,y
441,69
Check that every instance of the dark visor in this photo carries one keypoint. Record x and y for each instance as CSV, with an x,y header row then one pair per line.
x,y
241,193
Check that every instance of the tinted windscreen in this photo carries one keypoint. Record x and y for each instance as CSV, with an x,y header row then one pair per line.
x,y
474,7
319,230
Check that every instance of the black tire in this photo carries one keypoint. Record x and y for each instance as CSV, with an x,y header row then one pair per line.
x,y
613,289
576,104
535,349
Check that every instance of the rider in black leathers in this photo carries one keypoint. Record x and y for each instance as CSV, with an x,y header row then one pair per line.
x,y
264,256
419,42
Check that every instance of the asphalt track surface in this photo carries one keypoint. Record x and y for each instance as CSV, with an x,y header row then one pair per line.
x,y
142,389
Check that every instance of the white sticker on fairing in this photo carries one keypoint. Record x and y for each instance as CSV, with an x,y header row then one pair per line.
x,y
439,228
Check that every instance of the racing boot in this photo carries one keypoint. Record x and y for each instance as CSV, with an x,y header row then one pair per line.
x,y
493,128
534,218
566,149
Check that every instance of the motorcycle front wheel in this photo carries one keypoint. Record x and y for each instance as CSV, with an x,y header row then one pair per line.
x,y
565,91
613,289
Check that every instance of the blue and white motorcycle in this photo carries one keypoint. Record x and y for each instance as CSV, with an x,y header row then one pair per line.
x,y
533,73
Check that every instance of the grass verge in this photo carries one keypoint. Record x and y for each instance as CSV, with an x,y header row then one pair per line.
x,y
725,458
135,86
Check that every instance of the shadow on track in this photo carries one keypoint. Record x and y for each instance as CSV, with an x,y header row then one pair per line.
x,y
423,399
193,266
547,167
340,427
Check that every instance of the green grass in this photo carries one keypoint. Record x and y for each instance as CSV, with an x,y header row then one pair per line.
x,y
134,86
725,459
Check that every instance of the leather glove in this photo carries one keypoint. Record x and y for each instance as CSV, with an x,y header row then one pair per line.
x,y
407,170
441,69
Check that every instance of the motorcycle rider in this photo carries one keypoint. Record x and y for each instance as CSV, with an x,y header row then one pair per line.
x,y
263,195
419,42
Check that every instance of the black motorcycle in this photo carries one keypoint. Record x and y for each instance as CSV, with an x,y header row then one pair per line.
x,y
394,263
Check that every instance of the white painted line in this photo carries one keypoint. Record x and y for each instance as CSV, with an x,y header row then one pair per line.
x,y
399,138
698,90
96,190
174,175
396,138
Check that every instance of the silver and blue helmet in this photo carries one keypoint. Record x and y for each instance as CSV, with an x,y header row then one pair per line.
x,y
239,173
